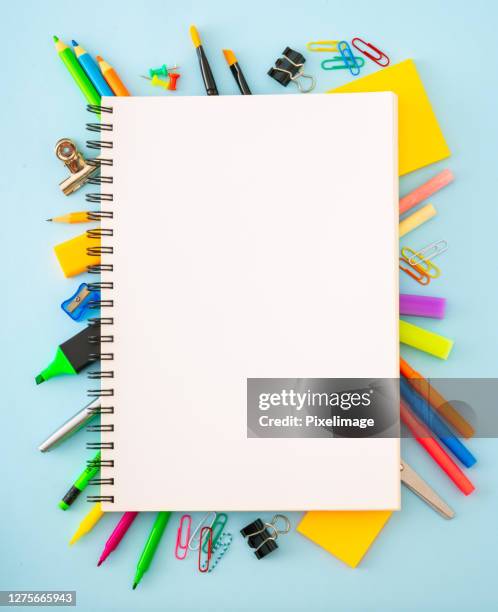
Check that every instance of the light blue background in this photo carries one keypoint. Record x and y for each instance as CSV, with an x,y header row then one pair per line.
x,y
419,560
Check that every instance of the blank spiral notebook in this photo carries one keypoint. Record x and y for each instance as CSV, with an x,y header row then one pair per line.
x,y
253,237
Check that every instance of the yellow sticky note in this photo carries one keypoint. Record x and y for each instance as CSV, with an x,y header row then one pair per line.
x,y
76,254
345,534
421,141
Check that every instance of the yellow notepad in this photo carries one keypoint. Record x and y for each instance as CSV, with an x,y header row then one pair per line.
x,y
421,141
347,535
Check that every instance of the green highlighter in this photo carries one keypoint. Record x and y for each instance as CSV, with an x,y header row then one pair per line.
x,y
151,546
81,482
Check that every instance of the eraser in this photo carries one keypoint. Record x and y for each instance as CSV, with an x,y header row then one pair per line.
x,y
73,255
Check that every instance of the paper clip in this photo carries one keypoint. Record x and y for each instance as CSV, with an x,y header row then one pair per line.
x,y
340,64
431,251
421,277
322,46
430,269
222,546
381,59
262,536
217,527
203,563
182,542
206,521
349,58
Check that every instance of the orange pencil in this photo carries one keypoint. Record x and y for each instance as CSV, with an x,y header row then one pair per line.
x,y
435,399
112,78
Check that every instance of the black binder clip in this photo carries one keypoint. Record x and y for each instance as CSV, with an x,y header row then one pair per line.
x,y
289,68
262,536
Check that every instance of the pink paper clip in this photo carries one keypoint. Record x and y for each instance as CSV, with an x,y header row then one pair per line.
x,y
203,564
380,58
181,541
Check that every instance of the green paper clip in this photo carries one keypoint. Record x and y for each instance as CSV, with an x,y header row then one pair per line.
x,y
162,71
218,526
341,64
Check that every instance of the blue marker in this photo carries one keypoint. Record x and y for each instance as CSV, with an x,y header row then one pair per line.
x,y
92,70
435,423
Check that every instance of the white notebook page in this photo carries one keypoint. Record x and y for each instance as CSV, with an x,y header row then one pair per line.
x,y
254,237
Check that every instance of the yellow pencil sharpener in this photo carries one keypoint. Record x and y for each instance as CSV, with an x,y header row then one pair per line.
x,y
80,169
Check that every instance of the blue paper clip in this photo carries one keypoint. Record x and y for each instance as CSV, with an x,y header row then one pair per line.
x,y
349,58
338,63
81,302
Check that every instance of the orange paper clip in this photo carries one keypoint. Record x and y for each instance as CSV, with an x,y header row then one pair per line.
x,y
203,564
415,272
380,58
181,540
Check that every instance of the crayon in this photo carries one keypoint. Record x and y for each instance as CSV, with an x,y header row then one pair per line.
x,y
77,72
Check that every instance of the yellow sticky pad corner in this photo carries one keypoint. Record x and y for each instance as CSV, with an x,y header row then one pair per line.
x,y
73,257
421,141
345,534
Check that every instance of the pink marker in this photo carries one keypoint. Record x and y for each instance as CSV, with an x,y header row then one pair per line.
x,y
424,191
117,535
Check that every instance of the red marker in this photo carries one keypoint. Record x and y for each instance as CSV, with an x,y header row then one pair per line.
x,y
425,438
117,535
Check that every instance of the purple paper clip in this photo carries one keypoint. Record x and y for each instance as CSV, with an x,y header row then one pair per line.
x,y
348,57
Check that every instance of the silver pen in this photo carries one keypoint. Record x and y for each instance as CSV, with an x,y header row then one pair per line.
x,y
74,424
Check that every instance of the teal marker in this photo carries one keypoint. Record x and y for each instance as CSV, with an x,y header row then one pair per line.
x,y
81,482
151,546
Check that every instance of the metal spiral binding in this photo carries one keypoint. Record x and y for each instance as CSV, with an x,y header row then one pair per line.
x,y
101,336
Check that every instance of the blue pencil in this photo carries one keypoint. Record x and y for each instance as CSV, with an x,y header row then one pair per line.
x,y
92,70
435,423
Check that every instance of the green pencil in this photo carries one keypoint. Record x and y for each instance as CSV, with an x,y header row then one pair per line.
x,y
76,71
151,545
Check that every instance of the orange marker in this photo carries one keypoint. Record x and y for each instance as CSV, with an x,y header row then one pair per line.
x,y
112,78
436,400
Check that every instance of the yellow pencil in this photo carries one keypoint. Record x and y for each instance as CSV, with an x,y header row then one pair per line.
x,y
74,217
88,523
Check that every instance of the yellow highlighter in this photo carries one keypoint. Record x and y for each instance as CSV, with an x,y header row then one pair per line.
x,y
77,254
425,340
88,523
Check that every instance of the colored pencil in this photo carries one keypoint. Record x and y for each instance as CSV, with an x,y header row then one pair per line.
x,y
112,78
77,72
92,70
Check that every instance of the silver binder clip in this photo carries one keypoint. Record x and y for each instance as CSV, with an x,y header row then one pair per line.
x,y
80,169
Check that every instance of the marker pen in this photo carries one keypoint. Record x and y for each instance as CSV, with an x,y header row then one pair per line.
x,y
74,354
91,470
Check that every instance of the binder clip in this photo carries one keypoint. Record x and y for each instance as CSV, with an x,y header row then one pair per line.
x,y
289,68
262,536
81,302
80,169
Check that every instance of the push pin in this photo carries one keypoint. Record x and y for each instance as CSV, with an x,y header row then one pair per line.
x,y
80,169
173,78
157,82
162,71
262,536
289,68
